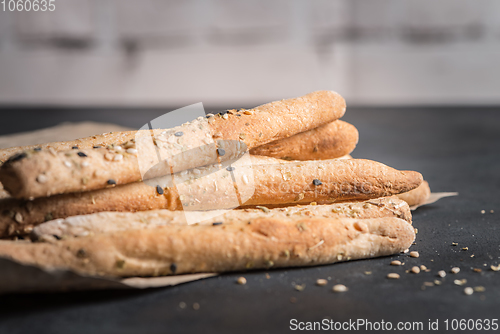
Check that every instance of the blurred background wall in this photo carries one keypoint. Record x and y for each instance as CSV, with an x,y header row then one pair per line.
x,y
220,52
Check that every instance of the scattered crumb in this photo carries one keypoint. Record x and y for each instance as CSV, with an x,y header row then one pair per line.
x,y
414,254
437,282
395,263
321,282
300,287
477,270
428,284
468,291
393,275
495,268
196,306
479,289
182,305
339,288
241,280
472,255
423,268
465,248
483,212
454,243
460,282
415,270
441,273
455,270
368,272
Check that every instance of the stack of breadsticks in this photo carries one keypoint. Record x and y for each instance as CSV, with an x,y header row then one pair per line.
x,y
268,187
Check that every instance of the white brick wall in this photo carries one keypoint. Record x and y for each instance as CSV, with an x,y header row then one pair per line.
x,y
170,52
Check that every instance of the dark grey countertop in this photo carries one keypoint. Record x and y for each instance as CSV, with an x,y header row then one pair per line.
x,y
456,149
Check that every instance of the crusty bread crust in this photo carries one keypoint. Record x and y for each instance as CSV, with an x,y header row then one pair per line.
x,y
329,141
105,222
417,196
273,184
42,173
258,243
324,181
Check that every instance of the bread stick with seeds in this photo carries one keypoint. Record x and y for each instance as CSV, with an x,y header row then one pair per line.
x,y
104,140
329,141
259,243
203,141
105,222
417,196
210,188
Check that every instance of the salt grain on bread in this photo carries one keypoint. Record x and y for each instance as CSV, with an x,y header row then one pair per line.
x,y
258,243
64,173
280,183
105,222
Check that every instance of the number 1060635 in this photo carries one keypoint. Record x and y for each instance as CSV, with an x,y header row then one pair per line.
x,y
28,5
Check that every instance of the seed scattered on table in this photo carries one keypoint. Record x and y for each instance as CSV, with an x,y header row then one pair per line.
x,y
339,288
395,263
321,282
196,306
455,270
437,282
483,212
393,275
495,268
479,289
477,270
18,217
465,248
241,280
414,254
368,272
415,270
454,243
468,291
441,273
460,282
423,268
182,305
300,287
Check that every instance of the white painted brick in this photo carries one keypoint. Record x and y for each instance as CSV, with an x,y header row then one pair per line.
x,y
241,21
374,19
157,18
71,19
327,16
439,14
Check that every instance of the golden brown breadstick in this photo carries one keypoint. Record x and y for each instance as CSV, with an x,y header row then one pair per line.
x,y
329,141
36,174
105,222
417,196
211,188
259,243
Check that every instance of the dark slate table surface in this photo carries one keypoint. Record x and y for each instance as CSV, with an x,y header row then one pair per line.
x,y
455,148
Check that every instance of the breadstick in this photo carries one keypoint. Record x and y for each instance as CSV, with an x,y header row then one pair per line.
x,y
106,139
38,173
210,188
328,141
416,196
260,243
105,222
